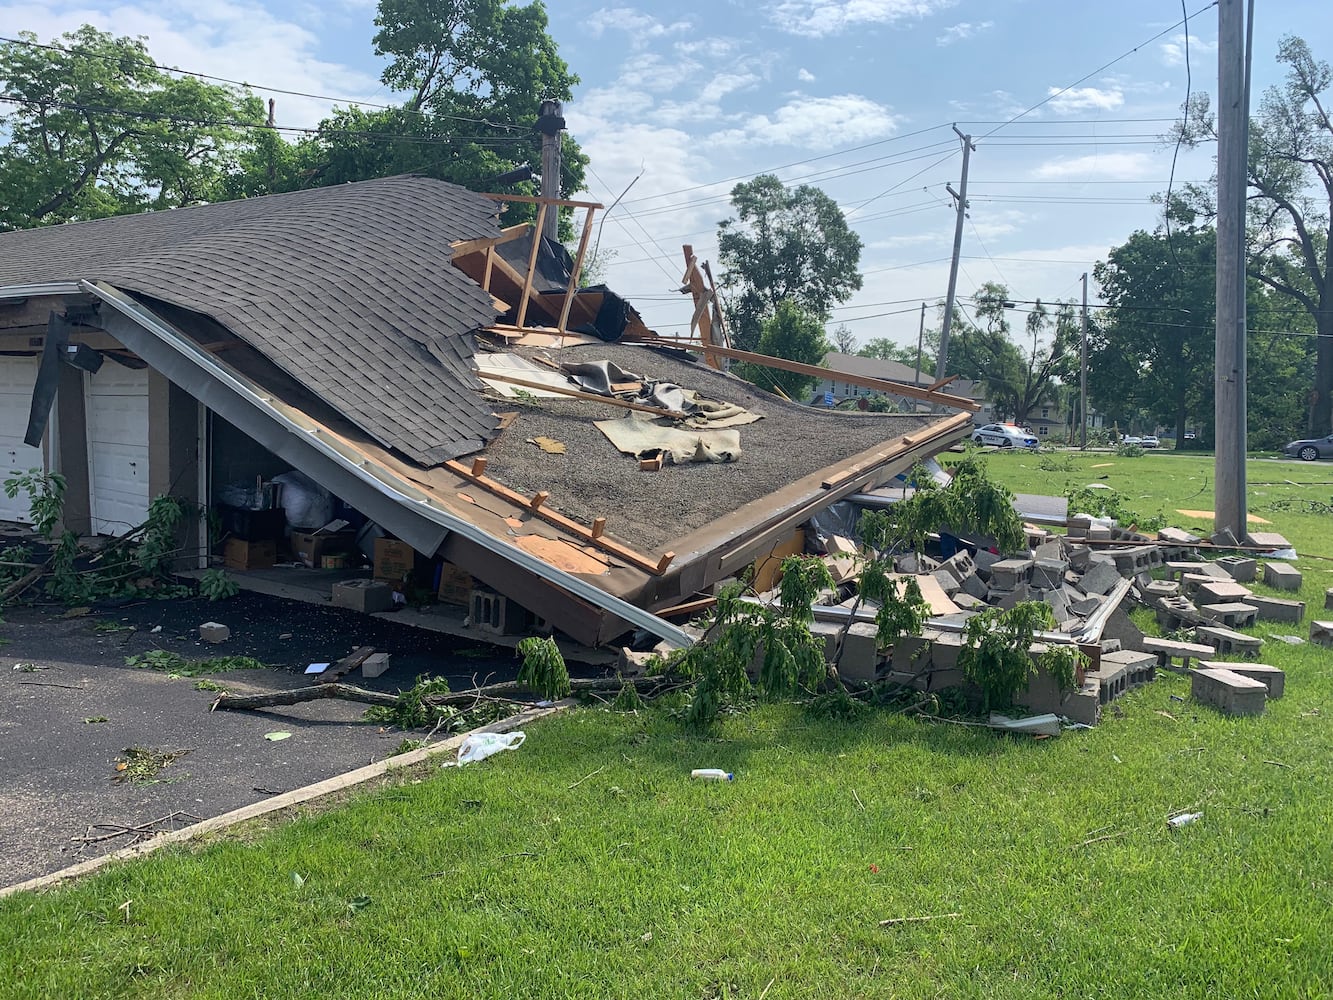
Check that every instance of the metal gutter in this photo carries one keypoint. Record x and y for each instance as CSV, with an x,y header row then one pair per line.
x,y
369,474
39,289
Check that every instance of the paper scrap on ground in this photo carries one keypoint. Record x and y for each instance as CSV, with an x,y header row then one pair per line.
x,y
646,438
1208,515
275,737
317,668
549,445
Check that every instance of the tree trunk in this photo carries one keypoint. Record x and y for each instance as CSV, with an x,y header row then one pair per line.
x,y
1180,421
1321,414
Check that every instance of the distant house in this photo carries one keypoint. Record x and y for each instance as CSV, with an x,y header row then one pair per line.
x,y
893,371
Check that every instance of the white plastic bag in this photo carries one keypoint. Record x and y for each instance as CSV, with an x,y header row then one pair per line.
x,y
479,746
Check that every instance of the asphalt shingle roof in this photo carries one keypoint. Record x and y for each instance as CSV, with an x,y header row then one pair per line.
x,y
348,289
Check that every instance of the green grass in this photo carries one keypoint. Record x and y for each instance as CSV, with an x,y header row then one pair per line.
x,y
587,863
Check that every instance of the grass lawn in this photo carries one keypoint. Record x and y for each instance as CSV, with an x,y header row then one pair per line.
x,y
587,863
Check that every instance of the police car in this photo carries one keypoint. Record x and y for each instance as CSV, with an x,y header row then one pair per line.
x,y
1004,436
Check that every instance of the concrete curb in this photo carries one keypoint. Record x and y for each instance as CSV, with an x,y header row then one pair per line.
x,y
297,796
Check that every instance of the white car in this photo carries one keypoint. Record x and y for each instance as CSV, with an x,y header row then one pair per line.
x,y
1004,436
1150,441
1131,439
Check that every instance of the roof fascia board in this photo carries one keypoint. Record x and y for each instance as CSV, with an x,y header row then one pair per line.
x,y
184,361
39,289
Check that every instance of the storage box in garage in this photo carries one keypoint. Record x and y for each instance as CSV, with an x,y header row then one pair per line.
x,y
237,553
310,548
363,595
252,525
455,585
394,560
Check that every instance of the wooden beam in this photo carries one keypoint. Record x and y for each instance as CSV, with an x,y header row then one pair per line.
x,y
574,275
532,265
527,199
580,394
565,524
473,246
884,385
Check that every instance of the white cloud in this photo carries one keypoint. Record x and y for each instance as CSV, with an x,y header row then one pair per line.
x,y
962,30
640,27
817,18
235,39
1173,49
809,121
805,76
1086,99
1107,166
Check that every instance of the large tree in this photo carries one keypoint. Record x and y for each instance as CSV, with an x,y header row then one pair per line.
x,y
1290,224
791,333
93,130
784,244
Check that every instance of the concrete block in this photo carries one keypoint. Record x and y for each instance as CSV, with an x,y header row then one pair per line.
x,y
1177,536
974,585
1228,691
375,664
1221,592
1078,526
947,581
1176,570
969,603
1167,650
214,632
1140,668
1049,574
939,680
1119,626
493,612
1239,568
1277,609
367,596
1079,556
1328,599
1007,599
1228,642
1321,633
1274,679
860,653
1007,574
1101,578
911,655
1086,606
828,633
1053,550
914,562
1084,705
1282,576
632,664
1059,604
959,564
944,652
1159,589
1229,615
1098,533
985,559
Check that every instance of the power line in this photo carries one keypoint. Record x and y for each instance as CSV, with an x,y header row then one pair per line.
x,y
255,86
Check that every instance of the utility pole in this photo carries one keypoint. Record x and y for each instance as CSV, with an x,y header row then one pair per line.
x,y
551,123
920,339
960,196
1233,119
1083,371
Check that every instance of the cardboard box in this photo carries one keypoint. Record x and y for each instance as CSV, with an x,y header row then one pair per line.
x,y
394,560
311,548
237,553
455,585
363,595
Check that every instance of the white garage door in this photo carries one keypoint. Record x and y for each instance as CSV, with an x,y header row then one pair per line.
x,y
117,411
17,376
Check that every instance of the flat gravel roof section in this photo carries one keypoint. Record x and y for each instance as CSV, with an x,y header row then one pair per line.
x,y
649,509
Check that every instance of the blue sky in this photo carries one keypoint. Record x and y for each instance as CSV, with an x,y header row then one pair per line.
x,y
855,96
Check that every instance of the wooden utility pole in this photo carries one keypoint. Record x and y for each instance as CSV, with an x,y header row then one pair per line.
x,y
1233,119
1083,370
960,196
920,339
551,124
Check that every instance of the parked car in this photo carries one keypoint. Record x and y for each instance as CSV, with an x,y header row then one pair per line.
x,y
1310,449
1132,439
1005,436
1150,441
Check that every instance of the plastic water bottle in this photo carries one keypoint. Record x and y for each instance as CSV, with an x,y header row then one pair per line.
x,y
1176,822
712,774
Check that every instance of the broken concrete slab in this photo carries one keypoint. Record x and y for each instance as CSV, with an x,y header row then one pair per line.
x,y
975,586
1277,609
1159,589
1101,578
1228,691
1321,633
1274,679
947,581
1282,576
214,632
1079,557
1086,606
1119,626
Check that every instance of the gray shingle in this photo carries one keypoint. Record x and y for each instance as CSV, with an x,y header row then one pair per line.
x,y
349,288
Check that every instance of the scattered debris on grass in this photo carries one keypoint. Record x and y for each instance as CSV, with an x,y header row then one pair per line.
x,y
142,831
92,719
175,665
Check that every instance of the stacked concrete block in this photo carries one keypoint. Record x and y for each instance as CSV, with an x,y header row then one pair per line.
x,y
1049,574
860,653
1277,609
1282,576
1241,569
1007,574
1227,642
1218,591
1160,589
944,672
1274,679
1321,633
1139,668
1078,526
1228,691
1230,615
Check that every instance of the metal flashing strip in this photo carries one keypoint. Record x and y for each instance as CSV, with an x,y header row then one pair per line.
x,y
378,478
42,288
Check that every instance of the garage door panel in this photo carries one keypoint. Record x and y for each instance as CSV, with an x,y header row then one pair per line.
x,y
17,377
118,448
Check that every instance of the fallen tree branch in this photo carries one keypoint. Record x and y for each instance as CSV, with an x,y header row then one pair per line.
x,y
895,921
505,690
22,583
313,692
